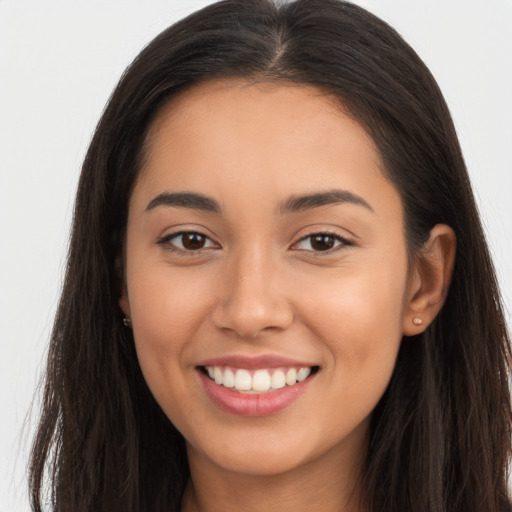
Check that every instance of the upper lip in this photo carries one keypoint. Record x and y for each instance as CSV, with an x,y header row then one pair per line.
x,y
252,363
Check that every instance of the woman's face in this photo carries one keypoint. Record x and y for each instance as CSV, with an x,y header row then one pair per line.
x,y
265,247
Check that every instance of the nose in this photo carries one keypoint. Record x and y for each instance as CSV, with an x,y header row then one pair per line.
x,y
252,297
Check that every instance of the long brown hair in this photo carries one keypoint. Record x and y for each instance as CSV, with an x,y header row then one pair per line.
x,y
440,435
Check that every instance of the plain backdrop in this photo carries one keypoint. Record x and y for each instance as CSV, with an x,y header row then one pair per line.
x,y
59,61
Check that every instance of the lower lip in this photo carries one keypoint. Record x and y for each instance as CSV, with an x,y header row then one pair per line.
x,y
245,404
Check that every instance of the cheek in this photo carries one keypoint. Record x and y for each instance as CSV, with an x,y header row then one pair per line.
x,y
167,306
358,317
166,311
360,302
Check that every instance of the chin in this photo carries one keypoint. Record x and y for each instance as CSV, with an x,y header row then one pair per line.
x,y
252,460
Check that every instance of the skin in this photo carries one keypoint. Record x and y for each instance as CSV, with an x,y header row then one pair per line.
x,y
258,286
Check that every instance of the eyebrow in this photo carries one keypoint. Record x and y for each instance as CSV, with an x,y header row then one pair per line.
x,y
294,204
189,200
329,197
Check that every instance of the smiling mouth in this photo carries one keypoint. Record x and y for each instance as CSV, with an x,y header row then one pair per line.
x,y
258,381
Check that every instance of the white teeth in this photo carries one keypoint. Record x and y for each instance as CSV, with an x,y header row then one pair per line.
x,y
261,381
229,378
278,380
217,375
303,374
291,376
243,380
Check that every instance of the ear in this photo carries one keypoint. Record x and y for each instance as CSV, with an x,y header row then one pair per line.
x,y
429,280
124,303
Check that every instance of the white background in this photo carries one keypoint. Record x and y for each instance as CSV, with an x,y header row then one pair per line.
x,y
59,61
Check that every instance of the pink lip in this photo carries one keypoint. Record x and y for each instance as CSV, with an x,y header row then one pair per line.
x,y
252,363
244,404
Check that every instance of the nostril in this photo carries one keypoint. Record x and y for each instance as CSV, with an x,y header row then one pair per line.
x,y
248,321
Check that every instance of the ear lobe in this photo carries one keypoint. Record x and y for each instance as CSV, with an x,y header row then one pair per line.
x,y
430,280
124,303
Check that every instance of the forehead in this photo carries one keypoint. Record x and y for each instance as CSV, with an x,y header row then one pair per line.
x,y
212,95
281,137
211,109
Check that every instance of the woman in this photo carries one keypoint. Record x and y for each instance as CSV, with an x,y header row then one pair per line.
x,y
278,293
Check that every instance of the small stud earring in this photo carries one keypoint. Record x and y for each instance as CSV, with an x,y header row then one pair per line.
x,y
417,321
127,321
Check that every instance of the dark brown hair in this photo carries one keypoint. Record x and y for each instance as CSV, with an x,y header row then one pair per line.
x,y
440,435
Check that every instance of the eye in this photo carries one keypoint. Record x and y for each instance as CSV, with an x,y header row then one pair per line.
x,y
321,242
187,241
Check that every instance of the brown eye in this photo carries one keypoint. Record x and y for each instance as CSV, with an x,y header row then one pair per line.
x,y
322,242
187,241
193,241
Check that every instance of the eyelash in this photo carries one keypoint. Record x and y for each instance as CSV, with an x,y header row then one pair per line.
x,y
166,243
343,242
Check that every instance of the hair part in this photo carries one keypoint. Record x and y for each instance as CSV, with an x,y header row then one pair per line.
x,y
440,435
